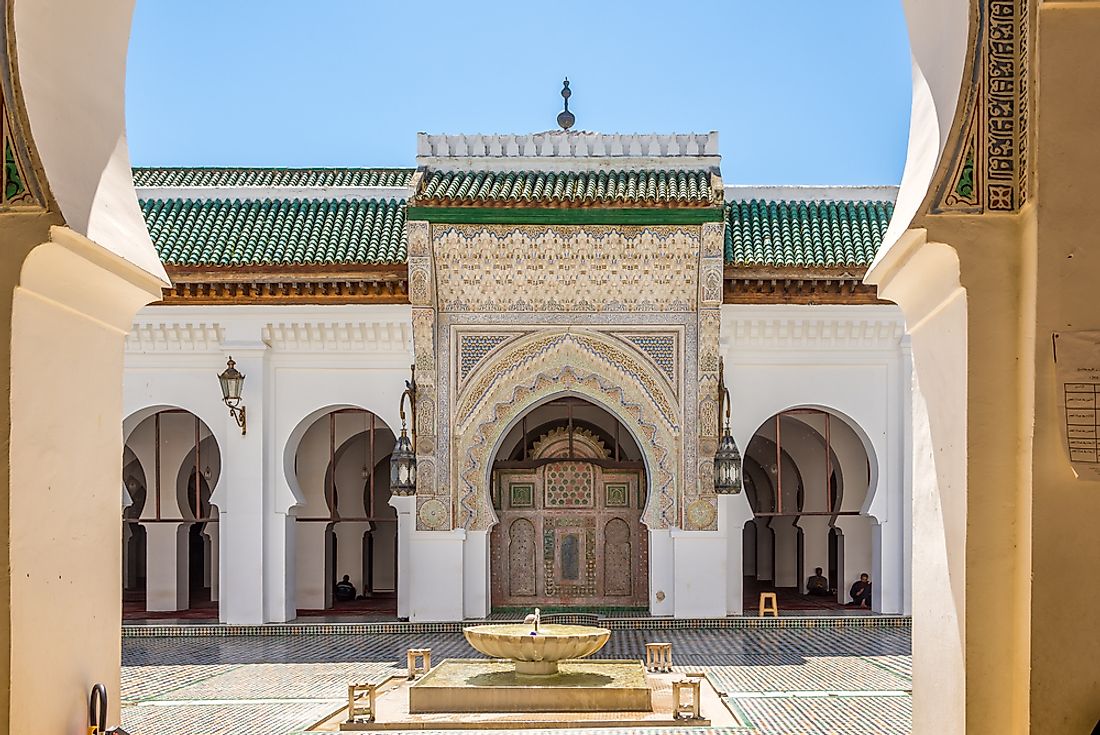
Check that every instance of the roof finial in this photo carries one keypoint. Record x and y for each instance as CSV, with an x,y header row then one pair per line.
x,y
565,117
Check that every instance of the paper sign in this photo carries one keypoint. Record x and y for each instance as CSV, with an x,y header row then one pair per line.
x,y
1077,368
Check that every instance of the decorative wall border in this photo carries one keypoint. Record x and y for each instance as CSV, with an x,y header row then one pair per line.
x,y
684,323
563,362
988,168
283,630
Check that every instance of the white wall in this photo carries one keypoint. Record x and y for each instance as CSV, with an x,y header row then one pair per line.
x,y
852,361
306,361
300,362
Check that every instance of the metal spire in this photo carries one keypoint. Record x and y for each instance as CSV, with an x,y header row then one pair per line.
x,y
565,117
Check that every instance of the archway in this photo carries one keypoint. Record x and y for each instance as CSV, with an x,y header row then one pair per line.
x,y
569,488
807,477
344,524
171,465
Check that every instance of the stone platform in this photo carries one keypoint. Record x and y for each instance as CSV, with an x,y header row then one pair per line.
x,y
392,713
480,685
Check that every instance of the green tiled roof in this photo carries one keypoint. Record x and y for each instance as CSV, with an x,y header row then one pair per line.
x,y
816,234
286,232
359,177
567,189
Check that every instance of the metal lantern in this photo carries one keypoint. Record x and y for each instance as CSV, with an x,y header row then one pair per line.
x,y
232,382
727,460
403,459
727,466
403,466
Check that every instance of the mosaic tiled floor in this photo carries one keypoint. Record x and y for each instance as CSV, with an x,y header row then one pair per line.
x,y
811,681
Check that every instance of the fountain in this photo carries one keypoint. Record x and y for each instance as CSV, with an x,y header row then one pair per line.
x,y
533,667
535,675
536,649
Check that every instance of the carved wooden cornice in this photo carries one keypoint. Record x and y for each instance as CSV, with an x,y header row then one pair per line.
x,y
337,284
797,286
328,284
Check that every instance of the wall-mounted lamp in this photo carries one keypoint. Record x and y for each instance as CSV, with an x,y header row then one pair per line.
x,y
727,460
232,382
403,459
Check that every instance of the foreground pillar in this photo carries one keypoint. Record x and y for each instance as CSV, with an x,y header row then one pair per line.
x,y
62,599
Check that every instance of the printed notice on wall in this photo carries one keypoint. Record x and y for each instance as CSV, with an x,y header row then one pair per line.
x,y
1077,367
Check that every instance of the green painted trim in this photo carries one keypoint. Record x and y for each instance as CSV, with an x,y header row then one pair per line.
x,y
565,216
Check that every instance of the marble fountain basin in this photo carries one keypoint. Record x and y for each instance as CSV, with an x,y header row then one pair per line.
x,y
538,654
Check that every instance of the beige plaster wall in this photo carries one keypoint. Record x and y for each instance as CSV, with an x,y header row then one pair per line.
x,y
1065,558
72,306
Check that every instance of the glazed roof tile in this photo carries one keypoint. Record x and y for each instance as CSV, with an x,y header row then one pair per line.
x,y
276,177
334,230
805,234
567,189
287,232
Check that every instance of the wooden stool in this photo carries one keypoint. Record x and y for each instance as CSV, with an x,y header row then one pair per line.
x,y
658,657
358,709
680,708
773,608
420,661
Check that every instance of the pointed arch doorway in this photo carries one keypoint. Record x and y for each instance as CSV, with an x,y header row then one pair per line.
x,y
569,487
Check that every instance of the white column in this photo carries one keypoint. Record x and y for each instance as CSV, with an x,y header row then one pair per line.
x,y
700,559
855,554
349,551
887,567
815,546
475,573
748,551
662,588
733,512
786,551
166,571
211,532
405,505
243,574
765,551
314,587
436,589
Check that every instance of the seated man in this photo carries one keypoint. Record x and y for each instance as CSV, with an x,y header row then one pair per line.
x,y
817,584
344,590
861,592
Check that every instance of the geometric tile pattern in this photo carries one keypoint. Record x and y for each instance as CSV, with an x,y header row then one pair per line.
x,y
796,680
661,348
473,347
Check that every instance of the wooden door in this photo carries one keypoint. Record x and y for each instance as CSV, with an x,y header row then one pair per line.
x,y
570,534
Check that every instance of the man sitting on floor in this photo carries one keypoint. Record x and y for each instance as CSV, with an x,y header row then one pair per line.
x,y
861,592
817,584
344,590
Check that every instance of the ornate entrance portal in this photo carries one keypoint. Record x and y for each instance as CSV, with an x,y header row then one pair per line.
x,y
569,488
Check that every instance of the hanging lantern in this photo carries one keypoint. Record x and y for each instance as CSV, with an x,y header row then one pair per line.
x,y
727,466
403,459
727,460
403,466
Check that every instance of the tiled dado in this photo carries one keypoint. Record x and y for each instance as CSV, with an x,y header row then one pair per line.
x,y
398,628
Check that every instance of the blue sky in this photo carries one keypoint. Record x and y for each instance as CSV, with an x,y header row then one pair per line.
x,y
801,91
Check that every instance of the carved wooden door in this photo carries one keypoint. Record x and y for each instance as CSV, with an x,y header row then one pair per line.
x,y
570,534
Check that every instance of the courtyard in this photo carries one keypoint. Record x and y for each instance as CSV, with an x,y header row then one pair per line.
x,y
817,678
